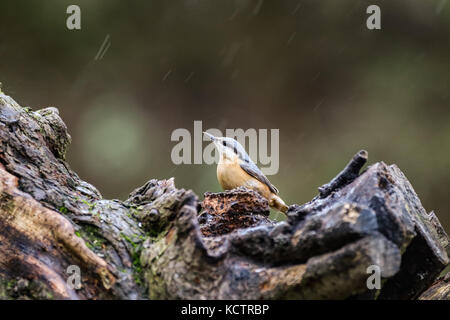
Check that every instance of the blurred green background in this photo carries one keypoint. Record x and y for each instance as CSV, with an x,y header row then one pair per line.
x,y
310,68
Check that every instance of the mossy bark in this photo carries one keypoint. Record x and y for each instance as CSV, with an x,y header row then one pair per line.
x,y
161,244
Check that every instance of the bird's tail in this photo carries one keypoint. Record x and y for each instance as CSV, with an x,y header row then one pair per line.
x,y
278,203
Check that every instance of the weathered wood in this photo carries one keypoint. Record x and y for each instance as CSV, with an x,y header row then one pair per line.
x,y
51,219
402,220
162,242
440,290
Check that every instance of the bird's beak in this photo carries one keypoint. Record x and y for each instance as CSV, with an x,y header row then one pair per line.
x,y
209,136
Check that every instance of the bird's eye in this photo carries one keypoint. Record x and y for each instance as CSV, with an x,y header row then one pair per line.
x,y
224,143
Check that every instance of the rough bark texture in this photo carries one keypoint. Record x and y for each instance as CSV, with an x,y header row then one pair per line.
x,y
162,242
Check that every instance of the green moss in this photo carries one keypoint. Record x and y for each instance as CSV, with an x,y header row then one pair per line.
x,y
136,245
91,206
63,210
91,237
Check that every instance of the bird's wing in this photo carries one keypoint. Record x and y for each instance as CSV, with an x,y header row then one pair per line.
x,y
254,171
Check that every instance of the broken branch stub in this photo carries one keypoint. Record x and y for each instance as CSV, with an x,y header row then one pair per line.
x,y
162,243
347,175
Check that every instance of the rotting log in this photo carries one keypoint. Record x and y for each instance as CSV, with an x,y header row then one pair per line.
x,y
163,243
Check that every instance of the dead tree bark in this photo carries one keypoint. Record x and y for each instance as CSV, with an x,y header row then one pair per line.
x,y
162,243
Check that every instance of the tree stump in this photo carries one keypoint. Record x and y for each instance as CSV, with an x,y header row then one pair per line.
x,y
163,243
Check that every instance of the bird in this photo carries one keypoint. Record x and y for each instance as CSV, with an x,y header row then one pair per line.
x,y
236,169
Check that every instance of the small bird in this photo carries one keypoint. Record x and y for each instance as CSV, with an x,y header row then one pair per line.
x,y
236,169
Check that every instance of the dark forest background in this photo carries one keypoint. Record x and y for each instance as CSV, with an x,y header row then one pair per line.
x,y
309,68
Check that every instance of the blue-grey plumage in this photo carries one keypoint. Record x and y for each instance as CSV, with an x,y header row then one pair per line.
x,y
236,169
